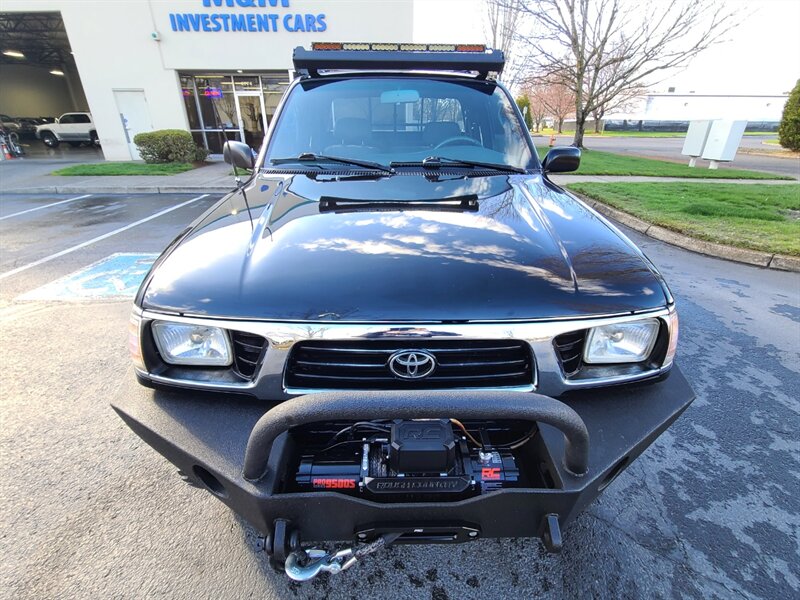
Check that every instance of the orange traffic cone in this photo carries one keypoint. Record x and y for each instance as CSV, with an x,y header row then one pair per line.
x,y
552,140
6,152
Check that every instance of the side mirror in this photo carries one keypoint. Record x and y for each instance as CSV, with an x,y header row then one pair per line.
x,y
562,159
238,154
57,120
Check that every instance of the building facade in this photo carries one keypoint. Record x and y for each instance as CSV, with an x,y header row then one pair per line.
x,y
672,111
214,67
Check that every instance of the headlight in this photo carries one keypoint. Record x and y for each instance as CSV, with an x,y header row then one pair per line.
x,y
621,343
185,344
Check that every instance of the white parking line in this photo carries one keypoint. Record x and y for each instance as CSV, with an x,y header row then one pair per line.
x,y
30,210
98,238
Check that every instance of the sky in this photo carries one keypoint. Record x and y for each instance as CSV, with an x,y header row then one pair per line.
x,y
761,56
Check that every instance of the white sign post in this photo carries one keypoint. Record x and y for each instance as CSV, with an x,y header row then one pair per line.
x,y
696,140
723,141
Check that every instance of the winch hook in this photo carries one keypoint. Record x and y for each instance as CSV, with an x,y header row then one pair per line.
x,y
302,565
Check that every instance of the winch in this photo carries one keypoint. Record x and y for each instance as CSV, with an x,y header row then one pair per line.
x,y
389,460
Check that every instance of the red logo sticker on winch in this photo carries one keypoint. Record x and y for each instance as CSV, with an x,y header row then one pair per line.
x,y
334,484
490,473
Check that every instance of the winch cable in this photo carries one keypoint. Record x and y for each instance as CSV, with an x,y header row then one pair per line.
x,y
510,446
460,425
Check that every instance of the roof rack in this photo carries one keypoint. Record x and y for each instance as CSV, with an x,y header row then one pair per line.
x,y
397,57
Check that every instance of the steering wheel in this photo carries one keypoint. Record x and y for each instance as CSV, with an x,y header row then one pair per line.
x,y
452,141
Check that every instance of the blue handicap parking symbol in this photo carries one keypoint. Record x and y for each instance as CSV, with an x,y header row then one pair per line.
x,y
116,276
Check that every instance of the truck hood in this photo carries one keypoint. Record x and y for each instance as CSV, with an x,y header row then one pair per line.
x,y
528,251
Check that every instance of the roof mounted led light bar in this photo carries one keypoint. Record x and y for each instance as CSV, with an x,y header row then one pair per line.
x,y
397,57
362,46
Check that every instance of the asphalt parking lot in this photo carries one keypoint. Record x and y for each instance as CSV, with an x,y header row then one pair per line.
x,y
88,510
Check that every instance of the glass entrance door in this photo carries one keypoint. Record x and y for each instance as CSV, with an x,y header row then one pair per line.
x,y
222,107
250,107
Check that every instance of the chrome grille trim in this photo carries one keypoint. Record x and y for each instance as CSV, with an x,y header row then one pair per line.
x,y
268,382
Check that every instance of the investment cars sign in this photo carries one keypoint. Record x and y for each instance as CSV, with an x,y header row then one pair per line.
x,y
257,17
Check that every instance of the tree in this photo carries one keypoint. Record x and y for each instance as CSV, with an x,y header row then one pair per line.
x,y
524,104
623,102
602,49
503,18
789,129
559,102
536,106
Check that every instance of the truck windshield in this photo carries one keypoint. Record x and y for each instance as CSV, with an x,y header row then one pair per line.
x,y
400,119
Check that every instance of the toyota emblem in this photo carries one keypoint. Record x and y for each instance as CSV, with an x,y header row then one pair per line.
x,y
412,364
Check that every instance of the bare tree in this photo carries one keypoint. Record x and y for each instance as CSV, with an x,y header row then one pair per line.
x,y
559,102
503,18
623,102
536,107
603,49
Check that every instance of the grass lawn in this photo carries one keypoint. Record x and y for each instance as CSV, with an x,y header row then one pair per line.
x,y
597,162
755,216
125,168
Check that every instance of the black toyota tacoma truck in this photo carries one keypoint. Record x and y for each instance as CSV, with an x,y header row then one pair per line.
x,y
398,329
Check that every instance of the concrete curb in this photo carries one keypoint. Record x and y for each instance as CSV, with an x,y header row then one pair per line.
x,y
141,189
742,255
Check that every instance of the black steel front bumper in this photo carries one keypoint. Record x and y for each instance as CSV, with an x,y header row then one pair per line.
x,y
235,451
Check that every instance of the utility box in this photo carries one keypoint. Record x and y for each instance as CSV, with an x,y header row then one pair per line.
x,y
696,140
723,141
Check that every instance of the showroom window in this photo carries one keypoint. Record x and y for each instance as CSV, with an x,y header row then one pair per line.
x,y
223,107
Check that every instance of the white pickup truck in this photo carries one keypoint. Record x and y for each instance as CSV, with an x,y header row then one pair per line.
x,y
74,128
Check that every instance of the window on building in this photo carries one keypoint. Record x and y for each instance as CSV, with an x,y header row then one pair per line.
x,y
190,103
222,107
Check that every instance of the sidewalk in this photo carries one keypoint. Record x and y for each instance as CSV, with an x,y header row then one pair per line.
x,y
32,176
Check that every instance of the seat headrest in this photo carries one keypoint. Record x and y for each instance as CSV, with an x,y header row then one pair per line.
x,y
438,131
351,130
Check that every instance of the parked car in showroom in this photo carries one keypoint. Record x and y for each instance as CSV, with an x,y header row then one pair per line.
x,y
398,329
28,125
10,124
76,128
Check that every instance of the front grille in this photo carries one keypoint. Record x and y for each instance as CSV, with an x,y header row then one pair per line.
x,y
248,349
569,347
364,364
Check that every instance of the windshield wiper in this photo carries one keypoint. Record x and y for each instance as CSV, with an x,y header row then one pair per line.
x,y
311,157
437,162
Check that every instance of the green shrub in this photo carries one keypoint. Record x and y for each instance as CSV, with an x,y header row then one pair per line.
x,y
524,102
168,145
789,129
